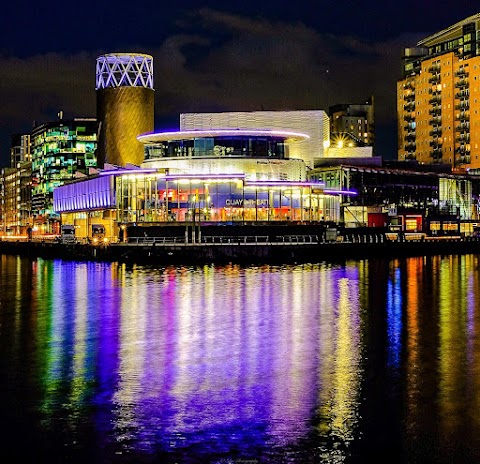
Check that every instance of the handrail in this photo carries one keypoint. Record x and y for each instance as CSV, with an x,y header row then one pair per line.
x,y
226,239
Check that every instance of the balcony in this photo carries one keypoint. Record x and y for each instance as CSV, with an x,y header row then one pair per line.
x,y
461,73
461,83
436,132
436,153
463,138
435,68
463,116
435,111
462,94
435,121
411,136
410,147
463,159
409,106
464,127
435,100
463,105
436,143
409,117
435,79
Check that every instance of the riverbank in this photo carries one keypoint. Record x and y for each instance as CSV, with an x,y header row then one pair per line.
x,y
242,250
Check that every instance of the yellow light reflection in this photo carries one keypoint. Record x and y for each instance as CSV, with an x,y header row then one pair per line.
x,y
413,370
347,358
452,343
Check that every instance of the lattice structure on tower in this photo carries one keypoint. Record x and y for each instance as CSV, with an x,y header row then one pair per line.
x,y
124,70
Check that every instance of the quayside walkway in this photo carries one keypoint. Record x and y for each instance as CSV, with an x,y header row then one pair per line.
x,y
247,248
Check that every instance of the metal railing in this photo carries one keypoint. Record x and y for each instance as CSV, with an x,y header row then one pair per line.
x,y
156,240
225,239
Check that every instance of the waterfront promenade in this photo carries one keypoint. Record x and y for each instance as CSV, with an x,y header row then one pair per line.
x,y
246,248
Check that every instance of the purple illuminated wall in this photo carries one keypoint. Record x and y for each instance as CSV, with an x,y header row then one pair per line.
x,y
90,194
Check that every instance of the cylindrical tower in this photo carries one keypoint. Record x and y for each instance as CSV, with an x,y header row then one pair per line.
x,y
125,106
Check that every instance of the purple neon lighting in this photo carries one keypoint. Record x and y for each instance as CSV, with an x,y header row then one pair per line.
x,y
118,172
154,137
282,183
340,192
204,176
96,193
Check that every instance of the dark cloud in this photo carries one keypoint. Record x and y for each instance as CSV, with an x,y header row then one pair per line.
x,y
232,63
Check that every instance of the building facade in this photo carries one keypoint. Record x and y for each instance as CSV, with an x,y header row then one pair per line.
x,y
20,151
438,98
314,123
62,150
405,199
352,124
17,181
210,177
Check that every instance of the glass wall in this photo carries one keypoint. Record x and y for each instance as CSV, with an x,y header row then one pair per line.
x,y
249,147
156,199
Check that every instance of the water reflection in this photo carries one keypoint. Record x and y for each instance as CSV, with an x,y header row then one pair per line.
x,y
300,363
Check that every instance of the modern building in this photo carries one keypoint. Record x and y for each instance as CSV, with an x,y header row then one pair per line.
x,y
352,124
438,98
125,106
210,177
8,201
17,181
20,151
62,151
314,123
408,198
259,154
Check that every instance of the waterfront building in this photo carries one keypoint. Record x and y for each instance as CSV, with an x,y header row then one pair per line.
x,y
352,124
8,203
314,123
438,98
17,182
125,106
407,198
62,151
209,177
259,154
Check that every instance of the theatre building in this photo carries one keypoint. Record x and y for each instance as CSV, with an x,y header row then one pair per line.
x,y
202,177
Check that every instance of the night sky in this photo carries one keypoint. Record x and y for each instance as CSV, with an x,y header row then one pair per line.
x,y
215,56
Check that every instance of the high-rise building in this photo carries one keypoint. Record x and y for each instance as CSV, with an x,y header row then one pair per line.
x,y
19,207
61,151
20,151
438,98
125,106
352,123
8,200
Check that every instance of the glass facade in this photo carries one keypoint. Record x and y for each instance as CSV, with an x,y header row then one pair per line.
x,y
149,198
60,150
251,147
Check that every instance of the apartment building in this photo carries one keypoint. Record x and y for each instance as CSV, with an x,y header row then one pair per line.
x,y
438,98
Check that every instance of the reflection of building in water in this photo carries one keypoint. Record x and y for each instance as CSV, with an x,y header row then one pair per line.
x,y
339,371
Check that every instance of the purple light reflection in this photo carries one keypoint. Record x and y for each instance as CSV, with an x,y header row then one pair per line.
x,y
212,359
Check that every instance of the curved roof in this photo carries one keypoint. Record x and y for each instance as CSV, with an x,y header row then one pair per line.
x,y
156,137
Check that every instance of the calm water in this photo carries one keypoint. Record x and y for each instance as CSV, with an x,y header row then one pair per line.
x,y
102,362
